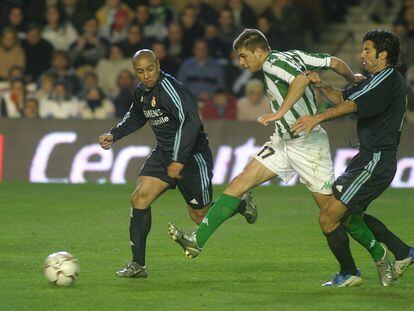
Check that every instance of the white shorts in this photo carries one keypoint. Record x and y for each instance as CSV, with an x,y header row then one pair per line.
x,y
308,156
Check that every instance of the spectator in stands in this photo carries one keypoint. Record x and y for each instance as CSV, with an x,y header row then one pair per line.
x,y
272,33
30,108
192,30
15,72
150,29
38,53
15,19
202,74
173,42
254,104
108,69
90,47
60,33
409,115
11,103
221,107
61,104
123,100
167,63
76,12
62,70
45,90
106,14
217,47
206,13
96,106
290,19
89,80
228,31
11,52
118,30
134,41
160,12
243,14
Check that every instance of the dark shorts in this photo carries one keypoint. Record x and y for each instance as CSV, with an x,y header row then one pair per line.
x,y
195,184
365,178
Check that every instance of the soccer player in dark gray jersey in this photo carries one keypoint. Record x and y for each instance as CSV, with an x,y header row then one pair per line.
x,y
379,104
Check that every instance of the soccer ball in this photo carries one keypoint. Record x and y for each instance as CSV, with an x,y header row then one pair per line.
x,y
61,268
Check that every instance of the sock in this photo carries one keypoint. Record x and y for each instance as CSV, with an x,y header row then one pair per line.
x,y
338,242
224,208
139,228
381,232
360,232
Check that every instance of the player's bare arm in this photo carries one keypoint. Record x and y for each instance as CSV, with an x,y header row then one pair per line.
x,y
334,95
340,67
106,140
296,89
307,123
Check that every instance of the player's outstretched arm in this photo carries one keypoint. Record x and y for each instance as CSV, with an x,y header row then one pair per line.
x,y
296,89
340,67
106,140
334,95
307,123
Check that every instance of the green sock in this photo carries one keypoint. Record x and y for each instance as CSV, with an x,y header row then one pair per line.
x,y
360,232
223,209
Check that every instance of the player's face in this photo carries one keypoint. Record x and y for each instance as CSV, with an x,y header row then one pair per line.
x,y
147,71
371,62
249,60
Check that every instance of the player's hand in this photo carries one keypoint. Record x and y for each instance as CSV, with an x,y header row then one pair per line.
x,y
174,170
314,78
106,140
305,124
266,118
358,78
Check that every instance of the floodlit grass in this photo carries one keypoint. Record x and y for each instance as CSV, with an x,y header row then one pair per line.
x,y
276,264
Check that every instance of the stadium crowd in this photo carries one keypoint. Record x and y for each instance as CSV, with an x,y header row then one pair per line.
x,y
72,58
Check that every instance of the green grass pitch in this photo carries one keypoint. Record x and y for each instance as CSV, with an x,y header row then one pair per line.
x,y
276,264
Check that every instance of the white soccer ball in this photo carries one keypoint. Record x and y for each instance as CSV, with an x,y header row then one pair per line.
x,y
61,268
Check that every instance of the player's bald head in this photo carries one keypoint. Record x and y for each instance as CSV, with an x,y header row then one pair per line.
x,y
144,54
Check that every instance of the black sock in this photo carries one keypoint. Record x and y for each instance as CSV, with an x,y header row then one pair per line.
x,y
242,206
382,234
139,228
338,242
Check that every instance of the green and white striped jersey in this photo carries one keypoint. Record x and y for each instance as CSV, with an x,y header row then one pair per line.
x,y
280,68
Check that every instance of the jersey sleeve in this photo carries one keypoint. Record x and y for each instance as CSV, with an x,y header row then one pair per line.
x,y
182,105
281,69
349,91
315,61
375,96
133,120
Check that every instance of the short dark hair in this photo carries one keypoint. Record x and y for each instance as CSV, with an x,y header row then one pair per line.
x,y
385,40
251,39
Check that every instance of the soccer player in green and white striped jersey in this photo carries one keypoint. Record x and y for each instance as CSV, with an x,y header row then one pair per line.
x,y
286,154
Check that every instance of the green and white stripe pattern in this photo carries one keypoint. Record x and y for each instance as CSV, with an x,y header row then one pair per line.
x,y
361,179
280,68
205,180
169,89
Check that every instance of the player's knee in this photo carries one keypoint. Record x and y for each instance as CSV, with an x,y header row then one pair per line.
x,y
140,199
326,222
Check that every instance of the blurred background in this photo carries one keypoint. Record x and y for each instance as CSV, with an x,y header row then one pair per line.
x,y
66,77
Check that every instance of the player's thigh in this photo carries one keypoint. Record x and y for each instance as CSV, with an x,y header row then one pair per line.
x,y
147,191
254,174
320,199
311,158
195,185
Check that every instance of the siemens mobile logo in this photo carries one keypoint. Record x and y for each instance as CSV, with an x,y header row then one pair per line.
x,y
228,162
